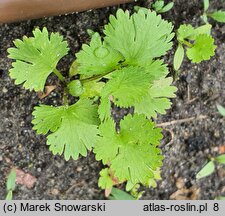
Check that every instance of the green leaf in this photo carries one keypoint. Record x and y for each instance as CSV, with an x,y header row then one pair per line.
x,y
97,58
117,194
140,37
105,181
190,33
138,8
204,29
221,159
156,70
206,5
203,49
92,89
166,8
73,69
219,16
156,101
36,57
178,57
185,31
221,109
158,5
220,198
104,109
127,86
73,128
9,195
207,170
132,153
11,180
75,88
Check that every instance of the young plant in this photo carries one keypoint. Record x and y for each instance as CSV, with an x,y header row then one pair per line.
x,y
122,68
198,42
218,16
209,168
117,194
160,7
11,184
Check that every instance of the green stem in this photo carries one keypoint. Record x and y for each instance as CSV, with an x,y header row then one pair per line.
x,y
187,43
65,97
59,75
95,77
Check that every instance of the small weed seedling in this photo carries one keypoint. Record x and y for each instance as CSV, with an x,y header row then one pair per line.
x,y
198,41
11,184
209,168
218,16
122,68
160,7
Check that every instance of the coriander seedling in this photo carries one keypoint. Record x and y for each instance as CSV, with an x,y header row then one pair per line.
x,y
123,68
198,42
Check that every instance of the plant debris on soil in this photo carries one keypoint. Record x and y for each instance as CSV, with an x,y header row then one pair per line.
x,y
193,129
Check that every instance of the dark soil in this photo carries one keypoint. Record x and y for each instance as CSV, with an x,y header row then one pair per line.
x,y
200,87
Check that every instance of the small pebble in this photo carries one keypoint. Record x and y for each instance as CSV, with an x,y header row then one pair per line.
x,y
4,90
79,169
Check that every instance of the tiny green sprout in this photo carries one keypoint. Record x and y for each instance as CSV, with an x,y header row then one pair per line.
x,y
220,159
209,168
218,16
221,110
197,42
11,184
117,194
160,7
220,198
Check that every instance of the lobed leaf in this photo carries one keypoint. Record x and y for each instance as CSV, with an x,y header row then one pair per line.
x,y
36,57
140,37
97,57
133,152
203,48
185,31
105,181
73,128
127,86
157,99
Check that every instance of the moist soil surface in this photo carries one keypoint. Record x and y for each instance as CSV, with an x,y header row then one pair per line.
x,y
194,133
